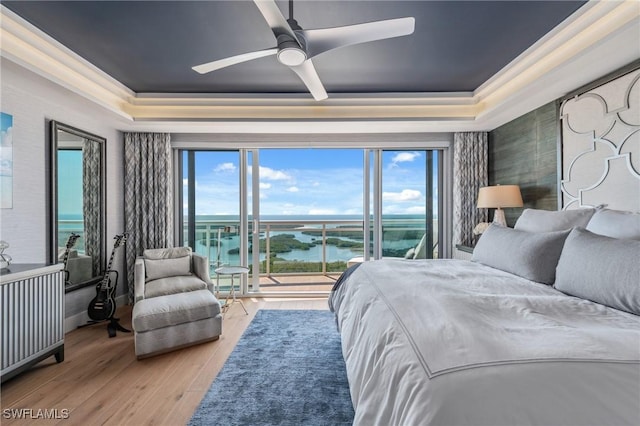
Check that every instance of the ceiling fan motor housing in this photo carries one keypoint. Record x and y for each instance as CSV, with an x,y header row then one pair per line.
x,y
291,52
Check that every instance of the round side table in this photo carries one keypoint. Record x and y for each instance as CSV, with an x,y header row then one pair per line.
x,y
232,271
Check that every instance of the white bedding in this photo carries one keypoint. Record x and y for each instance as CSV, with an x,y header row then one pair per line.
x,y
451,342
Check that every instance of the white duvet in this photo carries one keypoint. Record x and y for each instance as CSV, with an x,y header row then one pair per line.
x,y
451,342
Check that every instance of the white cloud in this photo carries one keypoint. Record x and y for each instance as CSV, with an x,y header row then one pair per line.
x,y
403,209
6,138
404,157
293,189
402,196
271,174
225,167
265,185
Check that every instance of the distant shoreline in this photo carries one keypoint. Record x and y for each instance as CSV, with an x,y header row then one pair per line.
x,y
292,217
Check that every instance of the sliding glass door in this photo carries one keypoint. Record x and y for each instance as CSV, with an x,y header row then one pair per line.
x,y
211,213
298,217
409,205
308,209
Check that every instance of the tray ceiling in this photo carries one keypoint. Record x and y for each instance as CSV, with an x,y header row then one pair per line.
x,y
150,46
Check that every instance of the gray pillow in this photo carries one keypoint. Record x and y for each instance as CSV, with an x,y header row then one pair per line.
x,y
601,269
534,220
166,253
615,224
162,268
531,255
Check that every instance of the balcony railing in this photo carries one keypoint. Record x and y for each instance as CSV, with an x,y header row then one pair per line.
x,y
302,247
296,247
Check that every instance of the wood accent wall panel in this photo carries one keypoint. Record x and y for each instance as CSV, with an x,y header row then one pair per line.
x,y
525,152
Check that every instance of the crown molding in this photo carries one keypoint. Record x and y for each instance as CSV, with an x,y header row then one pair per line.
x,y
612,27
561,52
31,48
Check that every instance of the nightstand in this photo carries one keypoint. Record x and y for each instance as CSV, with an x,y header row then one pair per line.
x,y
462,252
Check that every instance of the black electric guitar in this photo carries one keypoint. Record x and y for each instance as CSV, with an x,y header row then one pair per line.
x,y
103,306
71,241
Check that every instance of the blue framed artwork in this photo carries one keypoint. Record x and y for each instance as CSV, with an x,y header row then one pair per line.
x,y
6,161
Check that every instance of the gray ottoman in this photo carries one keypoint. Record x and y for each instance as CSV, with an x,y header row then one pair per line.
x,y
165,323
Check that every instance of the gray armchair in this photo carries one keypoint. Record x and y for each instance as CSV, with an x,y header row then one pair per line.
x,y
160,272
174,302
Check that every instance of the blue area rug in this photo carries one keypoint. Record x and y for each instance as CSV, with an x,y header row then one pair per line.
x,y
287,369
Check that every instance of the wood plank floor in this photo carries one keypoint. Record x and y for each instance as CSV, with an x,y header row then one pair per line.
x,y
101,382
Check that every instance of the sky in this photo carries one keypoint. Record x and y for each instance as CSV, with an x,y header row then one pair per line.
x,y
6,160
69,183
296,182
310,182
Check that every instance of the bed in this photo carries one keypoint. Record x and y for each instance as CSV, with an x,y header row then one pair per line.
x,y
541,328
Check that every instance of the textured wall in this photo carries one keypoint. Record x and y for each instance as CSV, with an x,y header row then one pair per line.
x,y
32,100
524,152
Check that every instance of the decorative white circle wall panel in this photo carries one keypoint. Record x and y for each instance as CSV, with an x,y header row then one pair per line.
x,y
601,146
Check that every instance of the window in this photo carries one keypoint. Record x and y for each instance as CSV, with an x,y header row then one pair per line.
x,y
302,213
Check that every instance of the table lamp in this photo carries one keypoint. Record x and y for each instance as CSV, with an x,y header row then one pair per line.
x,y
497,197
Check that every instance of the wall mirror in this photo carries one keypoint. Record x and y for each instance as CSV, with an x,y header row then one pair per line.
x,y
78,200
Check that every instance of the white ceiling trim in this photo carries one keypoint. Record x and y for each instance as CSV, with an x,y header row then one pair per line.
x,y
29,47
561,50
613,27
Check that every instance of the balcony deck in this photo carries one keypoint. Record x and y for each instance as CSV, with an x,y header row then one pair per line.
x,y
298,283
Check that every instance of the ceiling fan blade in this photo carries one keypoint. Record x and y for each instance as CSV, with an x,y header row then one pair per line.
x,y
275,18
307,73
222,63
321,40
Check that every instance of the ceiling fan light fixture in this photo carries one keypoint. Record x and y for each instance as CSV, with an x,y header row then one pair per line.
x,y
295,47
292,56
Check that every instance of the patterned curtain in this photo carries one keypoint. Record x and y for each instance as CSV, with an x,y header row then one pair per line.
x,y
148,203
470,152
91,205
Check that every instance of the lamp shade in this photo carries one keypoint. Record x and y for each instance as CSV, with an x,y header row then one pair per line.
x,y
491,197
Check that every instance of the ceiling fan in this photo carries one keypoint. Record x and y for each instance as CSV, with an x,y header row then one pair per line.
x,y
296,47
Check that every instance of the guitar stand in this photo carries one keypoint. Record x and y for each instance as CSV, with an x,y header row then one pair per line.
x,y
114,325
